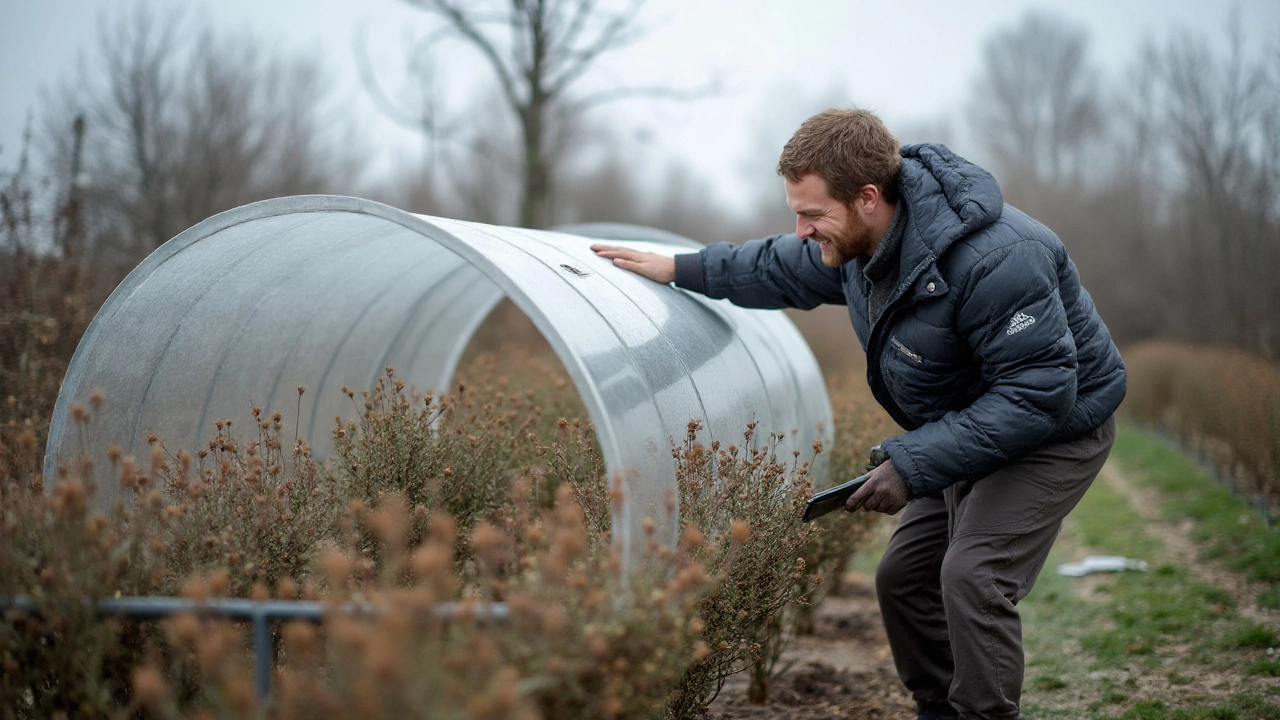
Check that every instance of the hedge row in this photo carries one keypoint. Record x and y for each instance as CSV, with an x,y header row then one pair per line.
x,y
1222,404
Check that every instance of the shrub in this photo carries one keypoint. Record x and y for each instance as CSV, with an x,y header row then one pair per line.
x,y
580,639
1222,403
238,518
741,507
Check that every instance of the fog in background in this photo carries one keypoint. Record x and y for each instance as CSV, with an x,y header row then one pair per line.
x,y
1146,134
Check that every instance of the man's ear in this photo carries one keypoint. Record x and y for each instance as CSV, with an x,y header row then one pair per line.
x,y
870,196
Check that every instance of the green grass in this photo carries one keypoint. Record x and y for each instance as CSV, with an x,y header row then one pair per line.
x,y
1238,707
1086,650
1227,526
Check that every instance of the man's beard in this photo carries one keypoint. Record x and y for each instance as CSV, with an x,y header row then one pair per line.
x,y
856,238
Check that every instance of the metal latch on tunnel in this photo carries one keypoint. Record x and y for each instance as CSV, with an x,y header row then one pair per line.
x,y
574,270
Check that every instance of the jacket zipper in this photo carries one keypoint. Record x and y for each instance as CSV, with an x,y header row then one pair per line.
x,y
905,351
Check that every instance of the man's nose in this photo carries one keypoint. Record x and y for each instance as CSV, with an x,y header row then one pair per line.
x,y
804,228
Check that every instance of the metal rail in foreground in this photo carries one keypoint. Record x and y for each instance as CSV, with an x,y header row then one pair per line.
x,y
262,614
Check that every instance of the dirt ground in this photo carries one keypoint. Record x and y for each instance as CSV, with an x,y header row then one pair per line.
x,y
843,670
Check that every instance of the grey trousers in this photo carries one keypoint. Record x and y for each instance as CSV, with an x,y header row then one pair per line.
x,y
958,564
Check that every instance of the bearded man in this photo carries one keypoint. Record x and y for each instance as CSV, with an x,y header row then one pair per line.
x,y
980,342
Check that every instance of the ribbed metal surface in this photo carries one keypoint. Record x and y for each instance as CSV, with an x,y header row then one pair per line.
x,y
323,291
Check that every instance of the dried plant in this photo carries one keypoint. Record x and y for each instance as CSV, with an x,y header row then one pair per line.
x,y
742,505
481,495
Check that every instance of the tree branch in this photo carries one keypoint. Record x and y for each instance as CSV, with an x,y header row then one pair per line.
x,y
576,62
468,27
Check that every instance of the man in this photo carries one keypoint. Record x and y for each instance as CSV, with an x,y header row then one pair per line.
x,y
980,343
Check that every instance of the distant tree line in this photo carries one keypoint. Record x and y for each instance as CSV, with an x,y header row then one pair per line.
x,y
1164,184
170,121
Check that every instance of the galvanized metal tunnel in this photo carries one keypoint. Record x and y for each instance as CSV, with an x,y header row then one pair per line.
x,y
323,291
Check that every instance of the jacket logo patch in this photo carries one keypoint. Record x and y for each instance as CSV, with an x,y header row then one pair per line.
x,y
1019,322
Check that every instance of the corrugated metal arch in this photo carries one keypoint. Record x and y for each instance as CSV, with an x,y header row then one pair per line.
x,y
324,291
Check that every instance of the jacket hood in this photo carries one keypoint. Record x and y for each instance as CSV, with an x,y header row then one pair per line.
x,y
947,196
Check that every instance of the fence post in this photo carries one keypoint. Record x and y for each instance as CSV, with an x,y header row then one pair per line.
x,y
262,652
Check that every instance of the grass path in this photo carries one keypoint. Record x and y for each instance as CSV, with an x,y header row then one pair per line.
x,y
1186,640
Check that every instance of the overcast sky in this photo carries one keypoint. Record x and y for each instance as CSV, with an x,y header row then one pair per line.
x,y
912,61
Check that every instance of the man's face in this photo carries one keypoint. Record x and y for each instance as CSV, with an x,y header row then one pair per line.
x,y
838,228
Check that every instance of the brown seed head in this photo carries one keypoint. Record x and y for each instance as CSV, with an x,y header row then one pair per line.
x,y
148,686
443,527
337,566
554,620
194,588
390,522
597,644
287,588
431,559
300,640
488,542
259,591
27,440
184,629
701,651
506,692
240,694
220,582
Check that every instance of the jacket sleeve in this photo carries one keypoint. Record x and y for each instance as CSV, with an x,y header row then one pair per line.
x,y
1012,318
781,271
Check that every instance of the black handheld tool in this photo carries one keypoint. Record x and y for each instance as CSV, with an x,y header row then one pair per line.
x,y
831,499
834,498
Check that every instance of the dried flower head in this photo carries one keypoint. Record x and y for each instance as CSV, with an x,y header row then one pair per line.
x,y
149,686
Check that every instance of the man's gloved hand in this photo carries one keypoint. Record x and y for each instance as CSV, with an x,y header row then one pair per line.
x,y
885,491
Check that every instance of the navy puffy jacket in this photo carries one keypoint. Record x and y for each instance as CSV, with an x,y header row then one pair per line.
x,y
988,348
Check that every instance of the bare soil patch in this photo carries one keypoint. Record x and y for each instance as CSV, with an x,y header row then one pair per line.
x,y
843,670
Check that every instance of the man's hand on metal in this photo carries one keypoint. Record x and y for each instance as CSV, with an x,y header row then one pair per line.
x,y
885,491
658,268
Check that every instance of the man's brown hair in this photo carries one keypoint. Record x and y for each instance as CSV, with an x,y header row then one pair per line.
x,y
848,149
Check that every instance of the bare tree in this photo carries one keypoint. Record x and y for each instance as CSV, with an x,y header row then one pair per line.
x,y
1217,114
539,53
182,123
1035,102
